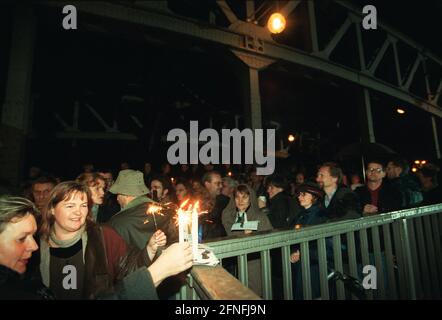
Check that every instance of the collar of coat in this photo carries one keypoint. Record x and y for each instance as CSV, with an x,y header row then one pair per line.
x,y
137,201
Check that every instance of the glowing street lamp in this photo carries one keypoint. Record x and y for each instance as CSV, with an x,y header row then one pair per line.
x,y
400,111
276,23
291,138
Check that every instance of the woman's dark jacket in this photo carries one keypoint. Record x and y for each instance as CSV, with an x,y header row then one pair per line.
x,y
15,286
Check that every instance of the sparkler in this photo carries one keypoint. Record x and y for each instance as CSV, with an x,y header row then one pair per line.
x,y
154,209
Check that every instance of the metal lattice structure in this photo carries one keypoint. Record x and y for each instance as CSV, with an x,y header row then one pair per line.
x,y
255,40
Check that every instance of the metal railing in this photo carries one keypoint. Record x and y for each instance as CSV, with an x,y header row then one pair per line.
x,y
404,247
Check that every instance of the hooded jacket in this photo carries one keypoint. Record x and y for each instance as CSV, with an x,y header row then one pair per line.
x,y
253,213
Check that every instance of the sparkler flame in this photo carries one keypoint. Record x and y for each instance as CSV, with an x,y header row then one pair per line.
x,y
154,209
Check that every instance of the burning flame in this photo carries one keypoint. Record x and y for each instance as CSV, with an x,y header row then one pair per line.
x,y
183,218
185,209
183,204
154,209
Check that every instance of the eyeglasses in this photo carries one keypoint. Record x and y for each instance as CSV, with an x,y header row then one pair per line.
x,y
377,170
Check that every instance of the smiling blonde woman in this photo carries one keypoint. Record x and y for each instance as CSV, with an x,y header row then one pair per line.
x,y
82,260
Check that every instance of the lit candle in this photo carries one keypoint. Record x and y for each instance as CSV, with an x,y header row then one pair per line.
x,y
195,230
182,223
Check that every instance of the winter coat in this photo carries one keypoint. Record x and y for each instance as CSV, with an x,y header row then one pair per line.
x,y
282,209
308,217
410,190
253,213
389,198
212,222
229,215
14,286
131,225
343,205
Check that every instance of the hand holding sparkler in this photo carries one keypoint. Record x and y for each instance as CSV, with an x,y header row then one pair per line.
x,y
157,240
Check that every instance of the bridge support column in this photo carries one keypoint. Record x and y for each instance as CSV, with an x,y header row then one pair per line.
x,y
16,108
249,79
435,136
366,118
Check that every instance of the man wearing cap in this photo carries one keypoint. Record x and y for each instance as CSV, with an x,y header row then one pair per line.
x,y
130,222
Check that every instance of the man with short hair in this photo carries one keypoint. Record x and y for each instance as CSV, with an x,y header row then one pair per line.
x,y
340,202
431,190
161,189
40,190
108,177
229,186
147,171
213,227
212,182
282,208
130,222
257,183
399,177
110,205
376,196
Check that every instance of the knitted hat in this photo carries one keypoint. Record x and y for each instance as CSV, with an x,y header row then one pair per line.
x,y
130,183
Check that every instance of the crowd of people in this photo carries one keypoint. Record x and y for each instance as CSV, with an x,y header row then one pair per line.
x,y
100,226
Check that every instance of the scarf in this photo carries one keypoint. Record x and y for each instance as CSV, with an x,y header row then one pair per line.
x,y
45,254
241,217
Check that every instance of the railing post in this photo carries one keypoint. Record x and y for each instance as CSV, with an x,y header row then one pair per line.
x,y
389,259
365,256
407,258
242,269
379,263
434,275
266,275
305,271
422,254
338,265
183,291
400,259
415,258
438,246
287,273
323,272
